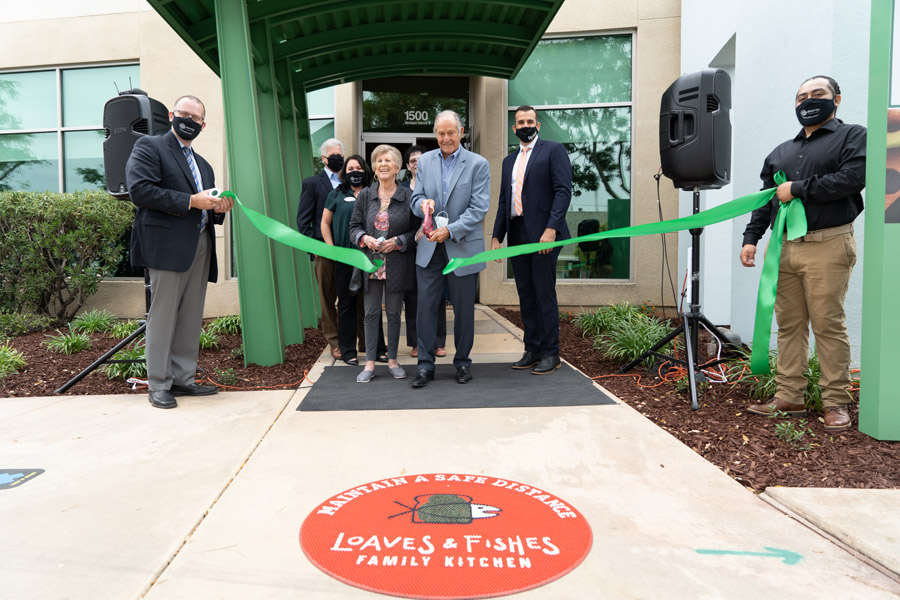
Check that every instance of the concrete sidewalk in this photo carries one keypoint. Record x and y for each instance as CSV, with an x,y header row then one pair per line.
x,y
206,501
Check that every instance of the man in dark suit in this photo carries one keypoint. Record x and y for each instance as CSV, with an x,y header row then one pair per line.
x,y
453,180
313,194
535,192
173,237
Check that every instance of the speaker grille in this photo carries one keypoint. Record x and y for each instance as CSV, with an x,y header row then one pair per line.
x,y
141,126
712,103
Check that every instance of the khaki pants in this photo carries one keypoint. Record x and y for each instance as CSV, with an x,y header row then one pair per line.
x,y
328,299
812,284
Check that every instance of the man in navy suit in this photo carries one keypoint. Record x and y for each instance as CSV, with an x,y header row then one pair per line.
x,y
453,180
535,192
173,237
313,193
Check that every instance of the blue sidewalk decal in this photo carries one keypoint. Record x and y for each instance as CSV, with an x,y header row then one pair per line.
x,y
10,478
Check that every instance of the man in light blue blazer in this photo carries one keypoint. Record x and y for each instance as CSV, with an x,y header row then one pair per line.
x,y
453,180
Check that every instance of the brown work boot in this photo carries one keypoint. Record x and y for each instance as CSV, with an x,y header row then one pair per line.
x,y
767,410
837,417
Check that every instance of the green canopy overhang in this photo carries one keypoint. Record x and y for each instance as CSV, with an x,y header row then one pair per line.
x,y
328,42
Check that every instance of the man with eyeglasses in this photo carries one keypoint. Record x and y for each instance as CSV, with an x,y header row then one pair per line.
x,y
313,193
173,237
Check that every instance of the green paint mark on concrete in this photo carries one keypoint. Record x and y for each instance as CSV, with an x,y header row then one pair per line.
x,y
789,558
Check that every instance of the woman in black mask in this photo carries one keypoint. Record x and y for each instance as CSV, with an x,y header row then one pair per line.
x,y
355,175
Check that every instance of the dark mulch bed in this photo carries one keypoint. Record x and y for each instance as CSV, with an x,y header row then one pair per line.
x,y
741,444
47,371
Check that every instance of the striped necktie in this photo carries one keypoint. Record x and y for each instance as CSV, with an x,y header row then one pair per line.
x,y
196,175
520,178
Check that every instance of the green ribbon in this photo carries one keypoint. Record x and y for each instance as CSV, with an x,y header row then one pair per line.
x,y
282,233
792,216
791,213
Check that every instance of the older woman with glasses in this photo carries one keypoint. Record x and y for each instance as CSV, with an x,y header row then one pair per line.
x,y
384,227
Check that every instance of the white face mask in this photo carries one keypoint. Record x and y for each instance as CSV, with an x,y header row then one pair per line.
x,y
440,221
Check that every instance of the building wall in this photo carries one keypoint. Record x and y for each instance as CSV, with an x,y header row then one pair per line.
x,y
776,46
105,32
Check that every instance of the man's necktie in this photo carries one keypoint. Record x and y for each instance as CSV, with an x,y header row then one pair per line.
x,y
520,177
190,161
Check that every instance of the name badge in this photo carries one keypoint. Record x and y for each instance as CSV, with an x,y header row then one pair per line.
x,y
349,199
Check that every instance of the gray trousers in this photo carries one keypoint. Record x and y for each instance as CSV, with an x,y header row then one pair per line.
x,y
175,320
393,306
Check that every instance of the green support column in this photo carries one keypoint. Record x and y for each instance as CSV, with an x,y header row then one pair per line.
x,y
290,154
879,404
270,123
308,154
260,313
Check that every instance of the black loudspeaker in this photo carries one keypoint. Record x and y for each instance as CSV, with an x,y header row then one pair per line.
x,y
695,130
127,117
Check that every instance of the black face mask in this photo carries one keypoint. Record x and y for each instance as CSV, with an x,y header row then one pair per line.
x,y
186,128
526,134
356,178
335,162
813,111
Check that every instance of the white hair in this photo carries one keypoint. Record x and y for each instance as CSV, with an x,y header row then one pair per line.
x,y
448,113
330,143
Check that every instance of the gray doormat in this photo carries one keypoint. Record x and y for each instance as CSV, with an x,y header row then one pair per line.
x,y
494,385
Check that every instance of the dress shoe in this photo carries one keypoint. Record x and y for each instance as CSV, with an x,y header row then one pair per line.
x,y
548,364
837,417
162,399
463,375
422,378
382,358
192,389
767,410
440,352
528,360
414,352
336,354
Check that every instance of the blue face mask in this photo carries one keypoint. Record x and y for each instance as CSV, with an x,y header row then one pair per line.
x,y
813,111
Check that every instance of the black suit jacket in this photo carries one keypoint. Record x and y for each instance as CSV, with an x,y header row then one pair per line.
x,y
313,193
546,192
166,230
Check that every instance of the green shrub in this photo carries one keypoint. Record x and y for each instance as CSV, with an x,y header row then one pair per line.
x,y
238,352
15,324
605,318
11,360
226,376
123,329
631,334
125,371
92,321
68,343
64,245
208,340
227,325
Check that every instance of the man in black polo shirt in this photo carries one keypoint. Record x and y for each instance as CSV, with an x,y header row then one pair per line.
x,y
825,164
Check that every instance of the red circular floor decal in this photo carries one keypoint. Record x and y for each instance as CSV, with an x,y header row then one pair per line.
x,y
445,536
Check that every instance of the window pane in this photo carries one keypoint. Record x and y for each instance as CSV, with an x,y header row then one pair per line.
x,y
29,162
320,102
599,144
83,156
410,104
575,71
319,131
28,100
85,91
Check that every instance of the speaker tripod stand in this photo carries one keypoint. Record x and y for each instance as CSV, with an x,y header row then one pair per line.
x,y
690,324
107,358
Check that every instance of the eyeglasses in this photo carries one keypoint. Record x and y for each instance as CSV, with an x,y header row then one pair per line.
x,y
186,115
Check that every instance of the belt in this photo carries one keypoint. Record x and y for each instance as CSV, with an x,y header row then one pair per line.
x,y
824,234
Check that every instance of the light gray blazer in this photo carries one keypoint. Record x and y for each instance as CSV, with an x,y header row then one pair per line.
x,y
466,204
